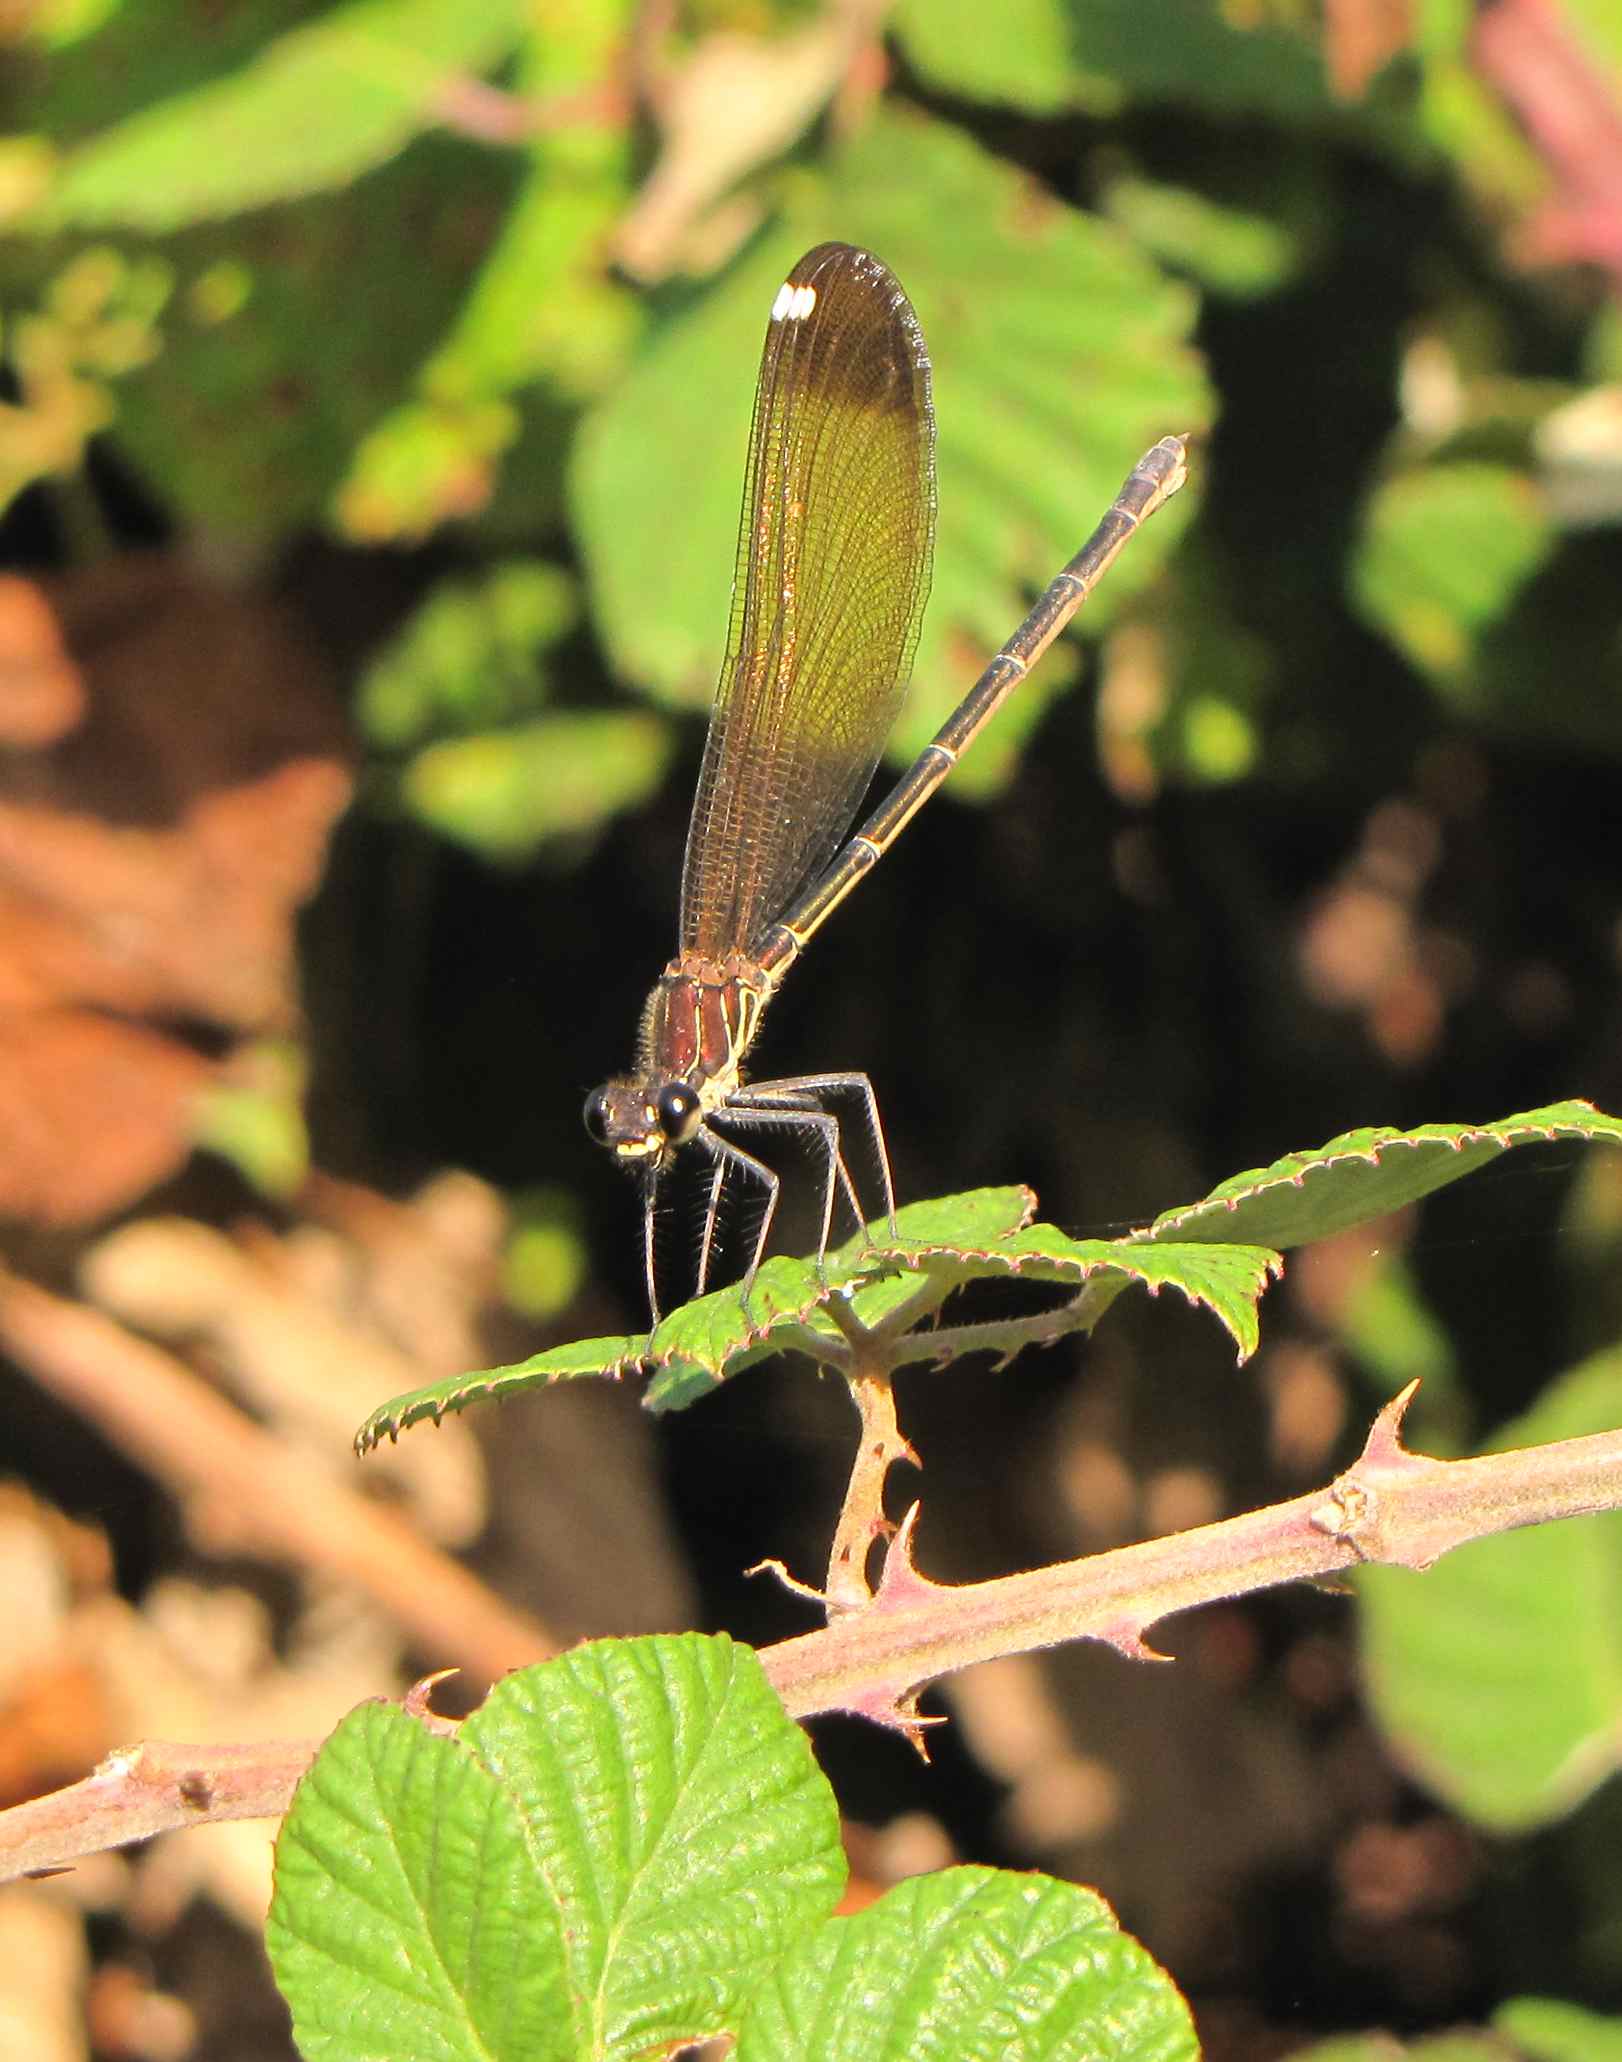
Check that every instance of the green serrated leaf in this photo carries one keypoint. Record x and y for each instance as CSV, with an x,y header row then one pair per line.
x,y
1550,2030
1362,1175
603,1358
721,1335
1445,551
678,1818
321,105
939,1246
1513,1729
406,1918
1229,1280
971,1965
1052,336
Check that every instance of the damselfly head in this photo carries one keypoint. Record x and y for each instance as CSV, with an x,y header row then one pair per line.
x,y
643,1119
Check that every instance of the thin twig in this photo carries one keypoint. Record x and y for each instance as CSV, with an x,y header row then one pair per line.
x,y
880,1445
1390,1505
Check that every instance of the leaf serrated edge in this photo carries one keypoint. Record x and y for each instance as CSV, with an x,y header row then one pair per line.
x,y
433,1405
1290,1170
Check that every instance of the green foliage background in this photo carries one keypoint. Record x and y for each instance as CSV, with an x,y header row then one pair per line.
x,y
1315,825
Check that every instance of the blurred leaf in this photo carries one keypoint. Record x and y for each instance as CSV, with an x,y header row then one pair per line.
x,y
1029,63
320,106
54,24
249,419
1512,1729
541,307
506,791
1397,1339
1385,2047
1550,2030
1364,1174
1059,356
1052,54
27,167
1216,742
424,464
544,1264
970,1963
254,1117
1444,552
1229,250
473,655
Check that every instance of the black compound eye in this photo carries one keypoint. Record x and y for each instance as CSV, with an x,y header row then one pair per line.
x,y
597,1116
679,1111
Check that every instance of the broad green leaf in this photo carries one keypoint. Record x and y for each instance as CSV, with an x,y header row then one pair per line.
x,y
1498,1673
975,1215
1550,2030
1085,52
1362,1175
678,1818
321,105
1445,551
970,1965
1059,357
406,1918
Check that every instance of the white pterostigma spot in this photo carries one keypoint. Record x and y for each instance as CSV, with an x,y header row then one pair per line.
x,y
793,303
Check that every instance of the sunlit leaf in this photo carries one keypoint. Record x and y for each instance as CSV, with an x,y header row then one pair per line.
x,y
1363,1174
604,1859
677,1817
968,1965
407,1918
